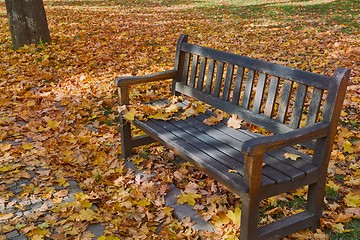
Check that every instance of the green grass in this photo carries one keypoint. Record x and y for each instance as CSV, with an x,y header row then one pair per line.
x,y
354,226
343,15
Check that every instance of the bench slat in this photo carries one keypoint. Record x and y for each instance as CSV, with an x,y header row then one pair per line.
x,y
194,69
259,95
298,106
270,101
248,89
314,106
209,76
201,73
228,81
237,85
218,79
185,73
284,101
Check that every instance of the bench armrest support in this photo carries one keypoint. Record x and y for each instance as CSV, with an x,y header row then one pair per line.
x,y
130,80
263,144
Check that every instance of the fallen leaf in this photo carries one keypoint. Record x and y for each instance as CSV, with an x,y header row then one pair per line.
x,y
234,121
292,156
188,198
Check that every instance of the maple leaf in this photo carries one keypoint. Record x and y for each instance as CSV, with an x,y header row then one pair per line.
x,y
188,198
172,108
234,216
191,111
213,120
352,199
51,124
86,214
333,185
348,147
130,115
234,121
220,219
292,156
27,146
6,216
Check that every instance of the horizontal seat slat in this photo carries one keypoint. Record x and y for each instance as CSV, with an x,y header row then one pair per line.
x,y
221,143
280,171
200,159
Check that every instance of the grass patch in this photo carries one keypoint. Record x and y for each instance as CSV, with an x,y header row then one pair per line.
x,y
354,226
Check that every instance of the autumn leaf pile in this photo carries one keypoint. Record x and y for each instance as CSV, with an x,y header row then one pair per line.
x,y
58,114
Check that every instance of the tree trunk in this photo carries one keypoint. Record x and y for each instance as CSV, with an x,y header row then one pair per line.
x,y
27,20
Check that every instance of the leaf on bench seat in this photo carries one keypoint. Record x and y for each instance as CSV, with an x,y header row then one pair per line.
x,y
188,198
292,156
234,121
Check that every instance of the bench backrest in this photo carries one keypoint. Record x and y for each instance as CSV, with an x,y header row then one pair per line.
x,y
272,96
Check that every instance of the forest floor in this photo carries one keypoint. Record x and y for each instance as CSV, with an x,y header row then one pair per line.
x,y
59,128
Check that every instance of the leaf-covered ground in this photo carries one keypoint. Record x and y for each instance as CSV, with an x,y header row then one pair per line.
x,y
58,113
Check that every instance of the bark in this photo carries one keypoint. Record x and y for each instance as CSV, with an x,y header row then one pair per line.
x,y
27,20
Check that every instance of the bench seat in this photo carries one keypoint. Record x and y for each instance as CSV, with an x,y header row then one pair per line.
x,y
216,151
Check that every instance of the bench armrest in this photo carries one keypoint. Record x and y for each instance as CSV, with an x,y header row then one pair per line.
x,y
262,144
130,80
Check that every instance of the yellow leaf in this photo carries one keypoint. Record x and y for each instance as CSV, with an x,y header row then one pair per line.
x,y
234,121
172,108
190,112
4,147
213,120
348,147
234,216
292,156
108,237
220,219
130,115
51,124
333,185
200,108
27,146
143,203
6,216
86,214
160,116
188,198
352,199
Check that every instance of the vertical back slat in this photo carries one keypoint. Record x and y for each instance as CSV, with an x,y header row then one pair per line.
x,y
237,85
228,80
194,68
270,100
315,103
248,89
218,79
260,87
201,73
186,68
284,101
209,76
298,106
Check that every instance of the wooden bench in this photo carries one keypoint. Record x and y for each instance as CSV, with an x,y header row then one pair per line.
x,y
298,107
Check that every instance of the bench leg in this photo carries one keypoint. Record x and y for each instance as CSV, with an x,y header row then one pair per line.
x,y
249,219
315,201
126,143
